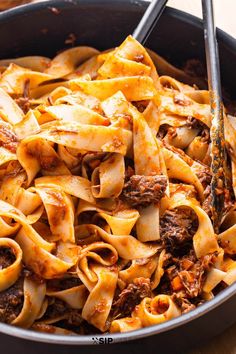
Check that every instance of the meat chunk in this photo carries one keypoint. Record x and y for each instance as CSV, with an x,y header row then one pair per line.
x,y
193,278
8,139
23,103
194,123
144,190
184,304
185,275
11,302
74,318
205,176
56,309
130,297
7,257
140,105
177,228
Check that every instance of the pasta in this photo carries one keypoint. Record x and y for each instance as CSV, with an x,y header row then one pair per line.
x,y
105,201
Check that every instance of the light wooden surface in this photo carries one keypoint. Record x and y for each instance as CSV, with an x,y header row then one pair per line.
x,y
225,14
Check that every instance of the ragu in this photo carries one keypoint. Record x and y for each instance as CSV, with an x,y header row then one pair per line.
x,y
104,188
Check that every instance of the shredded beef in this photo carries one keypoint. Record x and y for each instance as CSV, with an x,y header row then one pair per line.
x,y
7,257
177,228
56,309
162,131
140,105
194,123
184,278
185,275
8,139
144,190
11,302
193,285
74,318
205,176
193,279
129,172
139,58
130,297
187,261
205,135
23,103
184,304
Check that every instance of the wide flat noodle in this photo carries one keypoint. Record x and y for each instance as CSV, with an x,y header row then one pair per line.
x,y
98,304
86,137
67,61
42,262
127,246
135,88
35,63
13,79
129,59
34,294
9,110
76,186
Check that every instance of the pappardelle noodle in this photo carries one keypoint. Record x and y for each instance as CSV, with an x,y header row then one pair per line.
x,y
105,201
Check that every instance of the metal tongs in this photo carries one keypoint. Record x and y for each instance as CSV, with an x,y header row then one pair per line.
x,y
148,21
218,153
217,147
